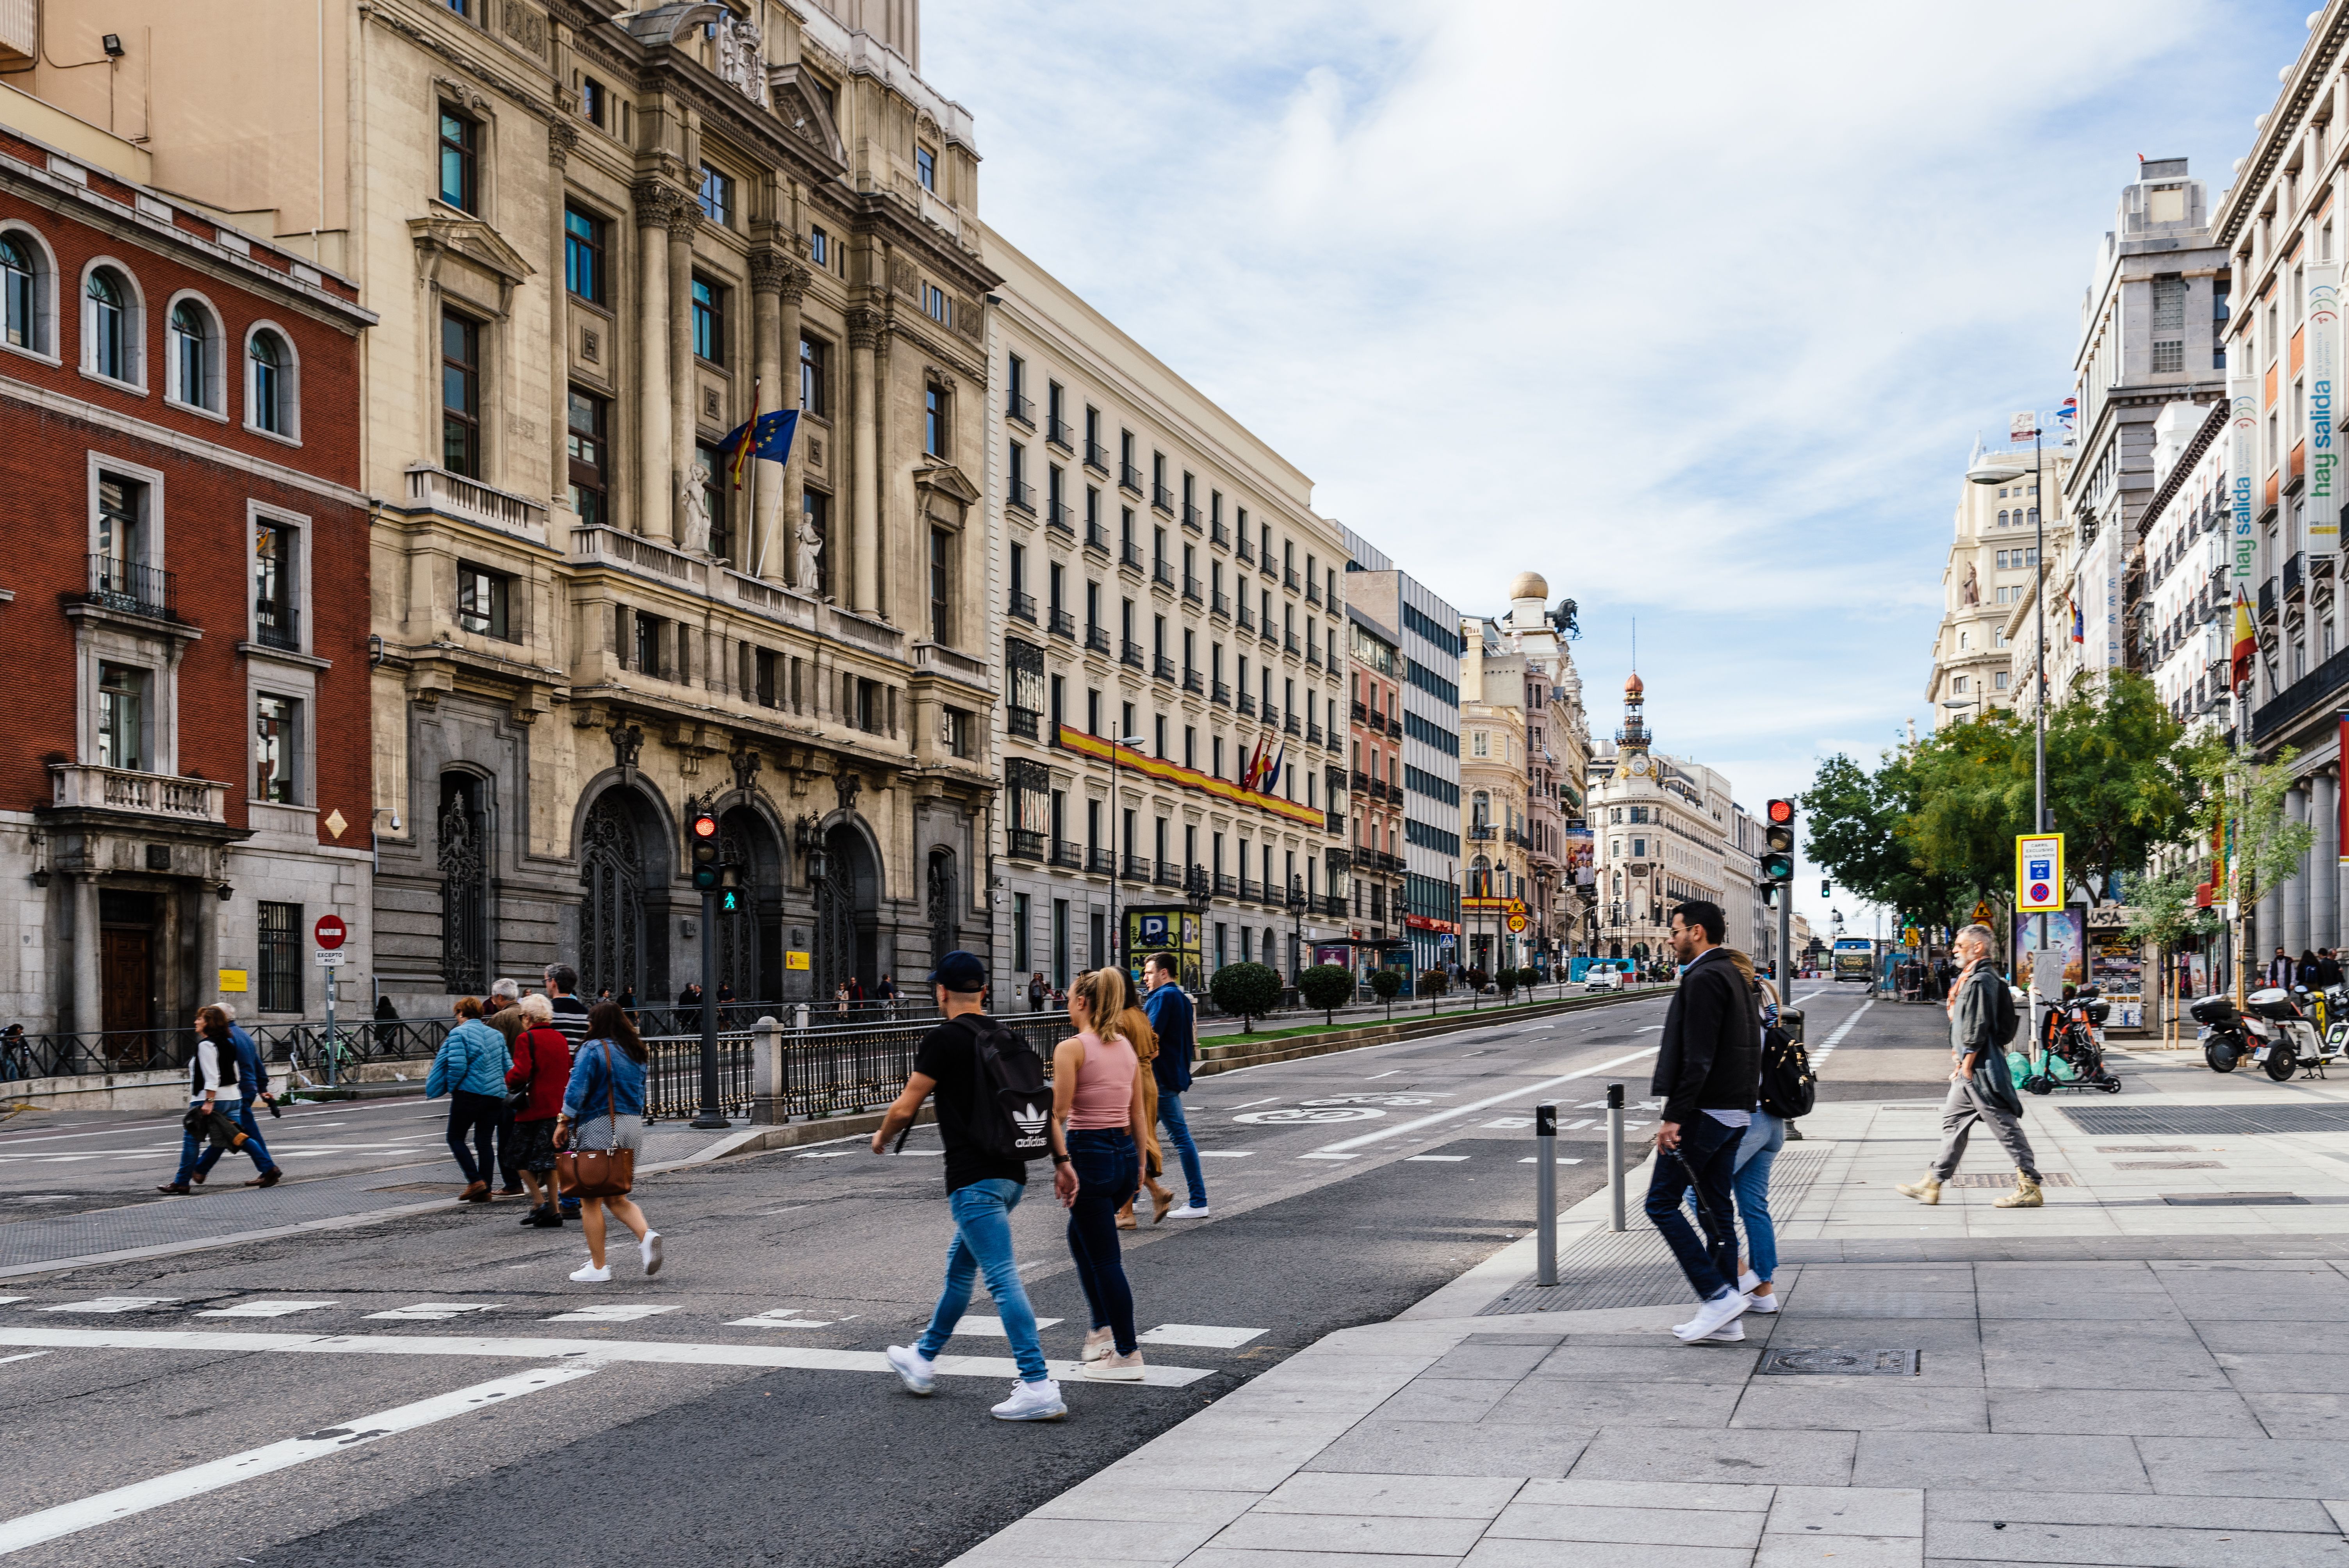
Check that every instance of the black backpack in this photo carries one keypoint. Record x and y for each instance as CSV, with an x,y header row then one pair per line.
x,y
1011,1078
1789,1087
2004,1021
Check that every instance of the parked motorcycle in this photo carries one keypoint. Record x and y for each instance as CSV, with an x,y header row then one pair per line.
x,y
2276,1033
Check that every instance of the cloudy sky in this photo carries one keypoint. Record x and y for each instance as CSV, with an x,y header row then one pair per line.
x,y
1695,309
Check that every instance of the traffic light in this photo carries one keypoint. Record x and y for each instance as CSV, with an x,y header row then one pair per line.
x,y
705,852
1778,845
730,891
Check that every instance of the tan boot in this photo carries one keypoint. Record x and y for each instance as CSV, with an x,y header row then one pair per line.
x,y
1927,1192
2025,1195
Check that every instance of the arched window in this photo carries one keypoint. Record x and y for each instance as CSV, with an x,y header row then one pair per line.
x,y
2033,519
112,341
270,390
2002,520
191,355
24,294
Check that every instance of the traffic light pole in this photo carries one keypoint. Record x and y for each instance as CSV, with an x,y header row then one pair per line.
x,y
713,1114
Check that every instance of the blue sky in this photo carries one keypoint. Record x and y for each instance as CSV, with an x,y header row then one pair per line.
x,y
1694,309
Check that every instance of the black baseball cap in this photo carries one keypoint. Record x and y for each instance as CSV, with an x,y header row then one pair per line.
x,y
960,971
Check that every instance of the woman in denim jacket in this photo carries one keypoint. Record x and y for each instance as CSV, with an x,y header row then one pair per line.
x,y
604,1107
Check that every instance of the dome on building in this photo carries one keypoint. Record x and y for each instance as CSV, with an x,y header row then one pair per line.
x,y
1634,687
1529,586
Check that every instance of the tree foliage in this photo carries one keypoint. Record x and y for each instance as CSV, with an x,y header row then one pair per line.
x,y
1327,987
1247,990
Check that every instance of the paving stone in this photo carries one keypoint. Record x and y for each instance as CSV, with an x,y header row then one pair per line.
x,y
1797,1458
1847,1511
2224,1513
1404,1496
1822,1550
1591,1523
1261,1532
2097,1355
1590,1406
2324,1417
2127,1546
1384,1447
2123,1412
2270,1469
1052,1540
1226,1557
1860,1404
1444,1399
1502,1553
1735,1496
1997,1459
1666,1363
1491,1360
2287,1372
1135,1503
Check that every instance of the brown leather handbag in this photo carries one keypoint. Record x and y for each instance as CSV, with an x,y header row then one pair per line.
x,y
598,1172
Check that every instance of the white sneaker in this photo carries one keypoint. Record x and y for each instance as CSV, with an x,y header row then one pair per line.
x,y
1037,1401
1116,1368
591,1275
916,1371
1734,1332
1098,1344
1747,1281
1764,1304
649,1249
1710,1317
1189,1212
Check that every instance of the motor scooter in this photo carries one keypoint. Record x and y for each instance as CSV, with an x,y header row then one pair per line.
x,y
2275,1032
2069,1050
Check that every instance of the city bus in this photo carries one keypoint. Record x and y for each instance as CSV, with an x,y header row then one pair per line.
x,y
1855,959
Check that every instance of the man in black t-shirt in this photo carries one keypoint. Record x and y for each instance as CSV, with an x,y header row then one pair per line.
x,y
982,1190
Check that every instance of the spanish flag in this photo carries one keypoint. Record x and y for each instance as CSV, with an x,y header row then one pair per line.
x,y
2247,641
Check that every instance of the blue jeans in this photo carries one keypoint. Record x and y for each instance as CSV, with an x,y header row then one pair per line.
x,y
253,1143
1703,1162
1750,1179
1178,1133
1109,1169
982,1244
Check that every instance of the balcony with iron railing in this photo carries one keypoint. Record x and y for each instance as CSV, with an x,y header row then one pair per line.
x,y
1023,722
1060,519
1193,682
1025,844
1480,831
1056,431
1191,589
1015,407
1101,863
1226,886
1270,633
1289,723
1023,607
1129,652
1269,566
1241,547
1096,539
1221,695
1162,499
1130,556
1271,713
1191,518
1251,890
1336,740
1362,782
1161,573
1097,457
1288,642
131,588
1288,578
1067,852
1218,534
1064,625
1313,655
1129,478
1021,497
1395,726
2295,576
1312,591
1162,667
1361,713
1247,702
1097,639
2268,600
1169,874
1137,867
278,626
1244,617
1312,734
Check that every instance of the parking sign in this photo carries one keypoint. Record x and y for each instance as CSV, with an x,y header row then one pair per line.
x,y
2038,873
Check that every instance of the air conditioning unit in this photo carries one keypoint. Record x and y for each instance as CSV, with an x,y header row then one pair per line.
x,y
20,32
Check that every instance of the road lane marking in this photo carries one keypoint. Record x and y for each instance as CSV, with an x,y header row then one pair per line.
x,y
779,1317
1324,1154
112,1304
1243,1105
1224,1153
1504,1098
1388,1073
992,1328
546,1347
264,1309
826,1154
1826,1048
427,1310
1536,1160
1436,1159
28,1356
1202,1336
608,1311
67,1518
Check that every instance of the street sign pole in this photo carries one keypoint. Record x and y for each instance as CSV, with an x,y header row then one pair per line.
x,y
330,935
713,1115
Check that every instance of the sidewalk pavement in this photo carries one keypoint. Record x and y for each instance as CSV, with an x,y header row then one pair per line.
x,y
2147,1371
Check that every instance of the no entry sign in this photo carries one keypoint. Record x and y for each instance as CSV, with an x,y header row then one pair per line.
x,y
330,931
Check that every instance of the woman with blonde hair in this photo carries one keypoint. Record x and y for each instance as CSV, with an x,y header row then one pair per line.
x,y
1135,1023
1097,1102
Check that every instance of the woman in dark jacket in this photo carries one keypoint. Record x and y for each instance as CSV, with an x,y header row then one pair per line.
x,y
542,1063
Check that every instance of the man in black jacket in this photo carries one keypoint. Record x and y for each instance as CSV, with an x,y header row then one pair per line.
x,y
1708,1074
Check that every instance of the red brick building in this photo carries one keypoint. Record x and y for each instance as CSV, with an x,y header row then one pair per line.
x,y
184,781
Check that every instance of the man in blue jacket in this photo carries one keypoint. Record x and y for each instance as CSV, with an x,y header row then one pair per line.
x,y
253,1083
1172,1018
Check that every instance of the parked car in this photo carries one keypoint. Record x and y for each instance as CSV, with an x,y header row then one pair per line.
x,y
1602,978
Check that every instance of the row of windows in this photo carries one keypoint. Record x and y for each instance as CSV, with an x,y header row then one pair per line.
x,y
199,366
127,712
1428,785
1433,684
1448,638
1429,733
1427,835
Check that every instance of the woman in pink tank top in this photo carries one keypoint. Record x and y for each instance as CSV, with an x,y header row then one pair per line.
x,y
1097,1100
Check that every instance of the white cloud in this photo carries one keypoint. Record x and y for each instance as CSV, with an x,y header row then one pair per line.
x,y
1694,308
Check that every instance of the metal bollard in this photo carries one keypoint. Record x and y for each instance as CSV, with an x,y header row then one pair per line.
x,y
1546,1190
1615,1156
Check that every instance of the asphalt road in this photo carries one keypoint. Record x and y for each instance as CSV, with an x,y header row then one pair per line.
x,y
740,1415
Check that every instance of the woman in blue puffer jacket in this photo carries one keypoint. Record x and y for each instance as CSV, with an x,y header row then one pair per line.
x,y
470,1069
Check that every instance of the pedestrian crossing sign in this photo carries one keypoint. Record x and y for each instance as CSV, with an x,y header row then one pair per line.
x,y
2038,873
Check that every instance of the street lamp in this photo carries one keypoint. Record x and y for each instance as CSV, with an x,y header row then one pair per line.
x,y
1296,913
1198,891
1965,702
1989,471
1116,867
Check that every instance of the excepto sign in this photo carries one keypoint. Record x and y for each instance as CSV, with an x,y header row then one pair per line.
x,y
330,959
2038,873
330,931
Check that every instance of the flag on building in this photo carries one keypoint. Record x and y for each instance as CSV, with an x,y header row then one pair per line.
x,y
2079,629
2069,411
765,436
1272,767
1254,769
2247,641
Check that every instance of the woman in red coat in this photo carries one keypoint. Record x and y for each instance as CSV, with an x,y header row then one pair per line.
x,y
542,1063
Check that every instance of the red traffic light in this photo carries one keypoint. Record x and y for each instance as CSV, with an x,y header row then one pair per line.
x,y
1782,811
705,826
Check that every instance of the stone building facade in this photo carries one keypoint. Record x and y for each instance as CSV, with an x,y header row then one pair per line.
x,y
1168,610
1988,586
597,242
183,586
1663,826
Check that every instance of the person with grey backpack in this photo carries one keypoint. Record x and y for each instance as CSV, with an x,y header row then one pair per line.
x,y
995,1115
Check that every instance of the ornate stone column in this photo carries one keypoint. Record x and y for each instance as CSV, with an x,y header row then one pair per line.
x,y
561,137
88,1011
685,222
777,285
788,505
2324,878
655,508
864,479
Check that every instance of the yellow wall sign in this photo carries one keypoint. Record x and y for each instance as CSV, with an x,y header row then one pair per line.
x,y
232,980
2038,873
795,960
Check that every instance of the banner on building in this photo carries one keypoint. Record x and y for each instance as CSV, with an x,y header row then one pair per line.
x,y
2242,463
2323,523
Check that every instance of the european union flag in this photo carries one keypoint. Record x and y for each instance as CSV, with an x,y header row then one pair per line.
x,y
768,437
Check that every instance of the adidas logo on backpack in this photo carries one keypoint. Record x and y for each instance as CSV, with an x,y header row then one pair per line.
x,y
1012,1075
1030,1120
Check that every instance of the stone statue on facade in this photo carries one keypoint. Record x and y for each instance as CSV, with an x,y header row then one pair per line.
x,y
1969,593
741,64
811,538
693,506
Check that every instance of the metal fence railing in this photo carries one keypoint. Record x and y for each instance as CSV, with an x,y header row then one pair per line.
x,y
303,1045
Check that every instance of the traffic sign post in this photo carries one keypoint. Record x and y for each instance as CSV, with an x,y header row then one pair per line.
x,y
2038,873
330,933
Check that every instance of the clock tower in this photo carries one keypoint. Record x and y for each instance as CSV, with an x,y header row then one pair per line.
x,y
1632,758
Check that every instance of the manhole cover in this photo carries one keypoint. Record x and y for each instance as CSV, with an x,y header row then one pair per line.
x,y
2227,1199
2050,1179
1839,1363
2168,1165
2204,1121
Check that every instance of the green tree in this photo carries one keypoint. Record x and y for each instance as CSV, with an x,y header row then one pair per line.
x,y
1327,987
1249,990
1385,985
2122,779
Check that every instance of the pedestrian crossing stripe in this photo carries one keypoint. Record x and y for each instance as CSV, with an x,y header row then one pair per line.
x,y
1533,1159
1225,1153
265,1308
1201,1335
779,1317
612,1312
424,1311
826,1154
113,1304
992,1328
1437,1158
